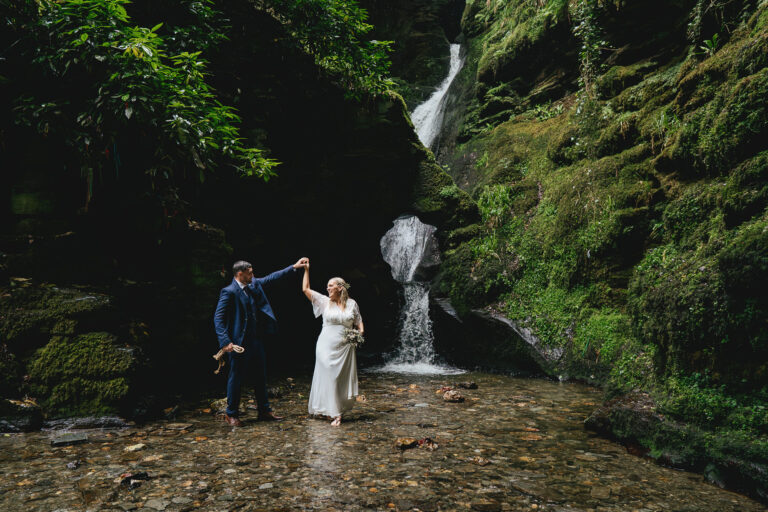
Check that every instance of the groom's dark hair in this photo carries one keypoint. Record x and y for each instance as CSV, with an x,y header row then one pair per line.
x,y
241,266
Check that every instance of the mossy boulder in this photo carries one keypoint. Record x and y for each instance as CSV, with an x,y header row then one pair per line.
x,y
84,375
728,458
30,313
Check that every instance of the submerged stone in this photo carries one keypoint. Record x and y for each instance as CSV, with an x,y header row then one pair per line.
x,y
69,439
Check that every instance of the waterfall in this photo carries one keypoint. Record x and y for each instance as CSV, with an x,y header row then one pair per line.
x,y
410,248
428,117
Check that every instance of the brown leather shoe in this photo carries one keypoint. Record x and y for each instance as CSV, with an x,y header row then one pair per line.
x,y
232,421
269,416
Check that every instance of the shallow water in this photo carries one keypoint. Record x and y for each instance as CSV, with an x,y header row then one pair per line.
x,y
514,444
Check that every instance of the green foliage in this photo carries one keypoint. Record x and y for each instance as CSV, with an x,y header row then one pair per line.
x,y
587,29
108,83
333,32
495,204
603,335
696,399
710,46
544,111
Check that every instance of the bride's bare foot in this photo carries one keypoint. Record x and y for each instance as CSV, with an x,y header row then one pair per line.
x,y
336,421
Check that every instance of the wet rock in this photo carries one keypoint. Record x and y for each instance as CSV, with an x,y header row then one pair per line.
x,y
267,485
181,500
480,461
134,447
19,416
486,505
404,443
74,464
453,396
428,444
178,426
600,493
69,439
132,481
88,422
466,385
157,504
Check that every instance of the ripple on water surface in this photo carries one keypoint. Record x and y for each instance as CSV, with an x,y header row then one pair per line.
x,y
513,444
418,369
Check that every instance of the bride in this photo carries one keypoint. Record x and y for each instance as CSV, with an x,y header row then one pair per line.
x,y
334,383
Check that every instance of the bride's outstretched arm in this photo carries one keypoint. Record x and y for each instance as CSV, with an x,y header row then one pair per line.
x,y
305,283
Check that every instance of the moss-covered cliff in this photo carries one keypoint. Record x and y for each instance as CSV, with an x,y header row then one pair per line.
x,y
617,152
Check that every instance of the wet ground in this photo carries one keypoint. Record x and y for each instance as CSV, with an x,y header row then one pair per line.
x,y
513,444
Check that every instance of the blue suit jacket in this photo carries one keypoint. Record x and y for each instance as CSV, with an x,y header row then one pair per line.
x,y
231,316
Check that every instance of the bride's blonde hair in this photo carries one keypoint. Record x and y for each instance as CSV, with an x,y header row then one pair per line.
x,y
344,290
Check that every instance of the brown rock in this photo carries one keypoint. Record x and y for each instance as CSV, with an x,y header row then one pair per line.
x,y
453,396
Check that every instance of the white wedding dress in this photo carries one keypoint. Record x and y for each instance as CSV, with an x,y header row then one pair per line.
x,y
334,383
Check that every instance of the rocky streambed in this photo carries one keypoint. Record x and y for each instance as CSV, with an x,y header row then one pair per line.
x,y
511,444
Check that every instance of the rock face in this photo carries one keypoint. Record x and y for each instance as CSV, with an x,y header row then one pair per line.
x,y
491,341
421,31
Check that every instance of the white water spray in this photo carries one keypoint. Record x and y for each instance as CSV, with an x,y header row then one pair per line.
x,y
409,247
428,117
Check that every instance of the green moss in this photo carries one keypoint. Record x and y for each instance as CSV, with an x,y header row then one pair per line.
x,y
746,192
468,282
436,195
84,375
10,373
515,27
33,312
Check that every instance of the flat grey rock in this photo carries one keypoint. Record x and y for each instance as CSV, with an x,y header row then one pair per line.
x,y
69,439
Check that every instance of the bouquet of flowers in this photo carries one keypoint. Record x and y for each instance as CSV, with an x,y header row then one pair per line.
x,y
353,337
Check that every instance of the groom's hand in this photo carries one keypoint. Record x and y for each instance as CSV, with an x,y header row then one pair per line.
x,y
302,263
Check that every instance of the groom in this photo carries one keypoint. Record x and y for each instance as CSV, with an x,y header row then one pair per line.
x,y
243,317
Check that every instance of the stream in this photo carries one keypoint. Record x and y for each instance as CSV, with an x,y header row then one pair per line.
x,y
513,444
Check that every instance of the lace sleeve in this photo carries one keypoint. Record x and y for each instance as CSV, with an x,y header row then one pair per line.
x,y
356,314
319,303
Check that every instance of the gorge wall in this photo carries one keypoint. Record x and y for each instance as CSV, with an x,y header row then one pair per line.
x,y
617,153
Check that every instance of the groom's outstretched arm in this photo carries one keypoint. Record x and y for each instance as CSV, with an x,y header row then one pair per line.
x,y
220,318
281,273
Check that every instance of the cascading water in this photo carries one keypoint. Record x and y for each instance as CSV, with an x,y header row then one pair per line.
x,y
410,247
428,117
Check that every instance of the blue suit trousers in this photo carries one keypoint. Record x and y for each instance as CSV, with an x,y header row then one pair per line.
x,y
250,365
